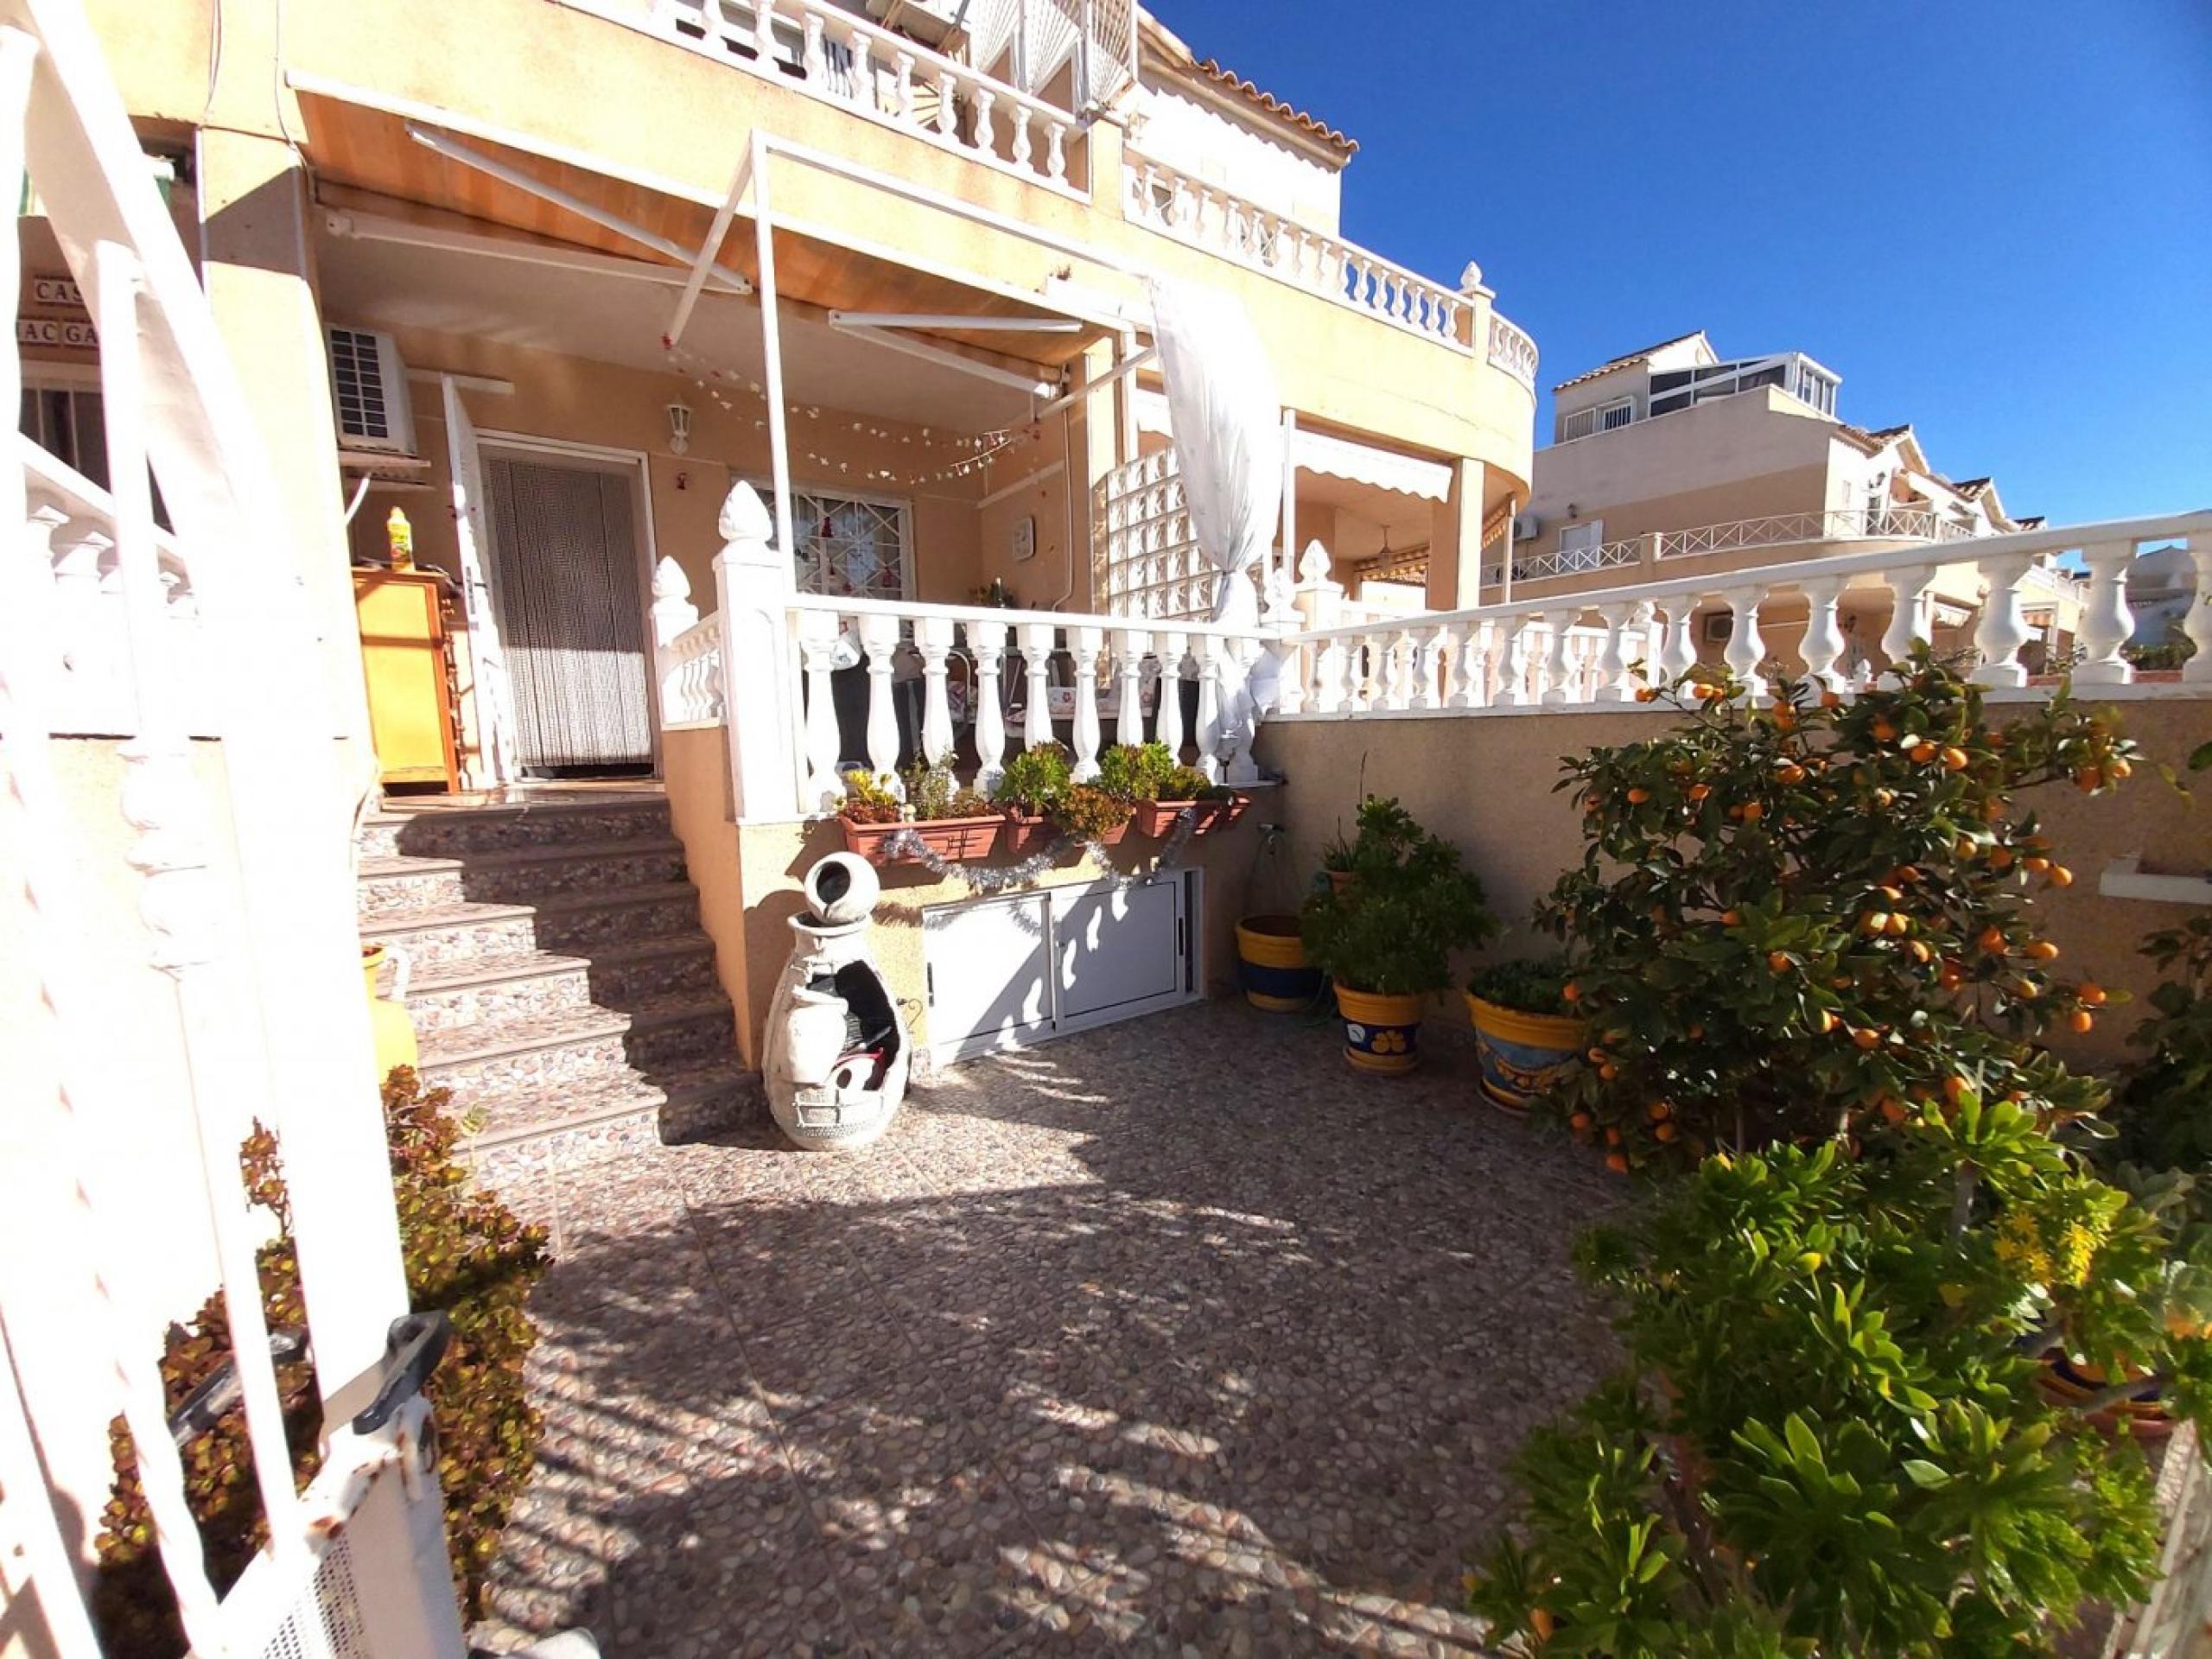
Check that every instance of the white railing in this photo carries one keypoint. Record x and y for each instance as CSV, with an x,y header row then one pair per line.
x,y
823,49
765,666
235,990
1525,653
1206,216
1575,561
1840,523
70,543
1512,350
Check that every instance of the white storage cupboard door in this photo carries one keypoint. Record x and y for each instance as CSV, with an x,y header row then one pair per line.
x,y
1116,952
988,984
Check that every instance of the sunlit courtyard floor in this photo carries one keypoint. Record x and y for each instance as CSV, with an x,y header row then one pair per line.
x,y
1175,1337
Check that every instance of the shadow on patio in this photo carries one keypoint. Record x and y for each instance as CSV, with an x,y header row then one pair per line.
x,y
1174,1333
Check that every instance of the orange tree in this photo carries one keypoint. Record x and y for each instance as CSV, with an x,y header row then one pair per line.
x,y
1793,918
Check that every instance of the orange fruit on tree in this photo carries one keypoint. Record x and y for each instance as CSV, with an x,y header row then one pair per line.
x,y
1778,961
1696,1032
1790,772
1830,700
1992,939
1956,760
1637,797
1753,811
2081,1020
1824,1022
1953,1086
1873,922
1698,791
1883,731
1608,1071
1900,925
1992,808
1612,1136
1892,1109
2041,950
1919,950
2036,865
2060,876
1570,992
1658,1111
1580,1122
1645,694
1866,1037
2001,858
2119,767
1617,1162
1731,918
2091,993
1666,1132
1923,752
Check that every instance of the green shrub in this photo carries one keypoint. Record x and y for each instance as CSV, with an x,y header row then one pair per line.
x,y
1131,771
1035,779
868,800
1393,928
2164,1109
1087,812
465,1255
1529,985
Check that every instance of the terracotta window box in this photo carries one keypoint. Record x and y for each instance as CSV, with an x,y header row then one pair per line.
x,y
1157,818
1026,834
955,838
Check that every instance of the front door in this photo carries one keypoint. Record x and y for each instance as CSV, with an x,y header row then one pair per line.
x,y
565,559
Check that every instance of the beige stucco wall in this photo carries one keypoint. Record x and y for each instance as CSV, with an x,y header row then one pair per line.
x,y
1487,782
556,77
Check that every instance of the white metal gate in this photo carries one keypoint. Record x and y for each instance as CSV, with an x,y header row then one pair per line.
x,y
234,950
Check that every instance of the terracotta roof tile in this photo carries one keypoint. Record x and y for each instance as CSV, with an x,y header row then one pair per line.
x,y
1313,125
1625,358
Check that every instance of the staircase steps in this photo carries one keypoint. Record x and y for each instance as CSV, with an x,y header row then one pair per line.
x,y
560,982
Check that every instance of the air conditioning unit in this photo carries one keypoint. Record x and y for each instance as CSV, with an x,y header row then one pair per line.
x,y
368,387
1526,526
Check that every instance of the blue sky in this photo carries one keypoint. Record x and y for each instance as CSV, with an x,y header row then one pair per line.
x,y
1992,219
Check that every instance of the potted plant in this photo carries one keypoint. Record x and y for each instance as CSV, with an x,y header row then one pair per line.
x,y
1161,790
1032,783
1385,834
951,820
1086,813
1387,938
1527,1034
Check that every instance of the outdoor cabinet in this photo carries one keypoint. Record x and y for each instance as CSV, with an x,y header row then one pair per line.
x,y
405,666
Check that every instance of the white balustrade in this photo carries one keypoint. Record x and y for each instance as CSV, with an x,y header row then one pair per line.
x,y
1746,648
1131,647
987,639
933,639
819,47
1511,350
2106,620
1823,642
1163,199
1175,669
1083,645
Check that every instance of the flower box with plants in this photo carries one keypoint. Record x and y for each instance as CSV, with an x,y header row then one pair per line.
x,y
950,821
1043,803
1161,789
1527,1036
1387,939
1805,947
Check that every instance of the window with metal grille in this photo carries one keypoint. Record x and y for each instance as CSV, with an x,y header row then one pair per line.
x,y
851,546
357,378
1580,424
1615,415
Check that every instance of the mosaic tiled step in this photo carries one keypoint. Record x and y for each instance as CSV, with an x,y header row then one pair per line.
x,y
518,1132
498,988
445,832
679,1026
624,974
522,1052
577,924
392,884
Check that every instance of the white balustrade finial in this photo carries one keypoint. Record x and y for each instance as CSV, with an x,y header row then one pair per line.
x,y
744,516
1470,278
1313,563
670,581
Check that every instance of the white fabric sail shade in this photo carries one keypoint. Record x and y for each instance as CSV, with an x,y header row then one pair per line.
x,y
1228,433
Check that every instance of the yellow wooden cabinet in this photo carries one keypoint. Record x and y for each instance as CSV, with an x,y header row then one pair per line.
x,y
403,659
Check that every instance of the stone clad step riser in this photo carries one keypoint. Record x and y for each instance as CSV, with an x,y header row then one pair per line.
x,y
565,989
537,1068
622,984
467,942
521,883
577,932
443,834
705,1036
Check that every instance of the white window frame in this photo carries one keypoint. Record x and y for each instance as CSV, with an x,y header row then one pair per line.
x,y
1566,432
1625,408
1582,536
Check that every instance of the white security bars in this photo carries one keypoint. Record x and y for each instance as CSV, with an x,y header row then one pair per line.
x,y
238,858
1537,652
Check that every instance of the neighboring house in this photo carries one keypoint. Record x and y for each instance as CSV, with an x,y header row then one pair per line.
x,y
1668,462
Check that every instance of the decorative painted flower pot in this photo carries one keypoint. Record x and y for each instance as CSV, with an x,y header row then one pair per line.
x,y
1024,835
1157,818
1520,1055
954,838
2143,1414
1271,962
1381,1031
391,1026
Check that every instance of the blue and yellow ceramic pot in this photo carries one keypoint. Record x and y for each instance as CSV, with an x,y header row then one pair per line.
x,y
1271,961
1381,1031
1521,1055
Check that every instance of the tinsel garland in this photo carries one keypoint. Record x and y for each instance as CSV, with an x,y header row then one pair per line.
x,y
986,878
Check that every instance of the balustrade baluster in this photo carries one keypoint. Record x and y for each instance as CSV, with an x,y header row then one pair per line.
x,y
2106,620
817,646
1167,723
985,134
1021,151
1056,152
1615,683
814,62
1329,663
933,639
1745,649
2197,626
902,66
987,640
1037,664
1428,668
1130,648
1399,693
764,32
1513,671
880,639
1909,588
1678,655
1468,668
1558,682
2004,627
1083,646
1823,642
947,108
1208,732
1293,685
863,66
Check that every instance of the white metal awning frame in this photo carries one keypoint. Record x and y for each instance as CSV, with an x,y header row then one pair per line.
x,y
1345,458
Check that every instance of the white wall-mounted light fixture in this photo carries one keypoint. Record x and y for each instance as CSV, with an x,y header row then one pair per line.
x,y
679,429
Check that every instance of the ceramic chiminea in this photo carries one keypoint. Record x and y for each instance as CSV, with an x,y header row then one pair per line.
x,y
837,1050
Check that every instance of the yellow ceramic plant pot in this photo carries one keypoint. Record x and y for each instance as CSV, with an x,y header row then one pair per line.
x,y
1271,959
389,1024
1382,1030
1521,1055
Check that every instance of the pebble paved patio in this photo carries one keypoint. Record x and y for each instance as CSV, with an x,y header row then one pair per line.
x,y
1175,1337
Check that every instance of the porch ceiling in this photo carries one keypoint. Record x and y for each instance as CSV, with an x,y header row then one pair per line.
x,y
359,147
